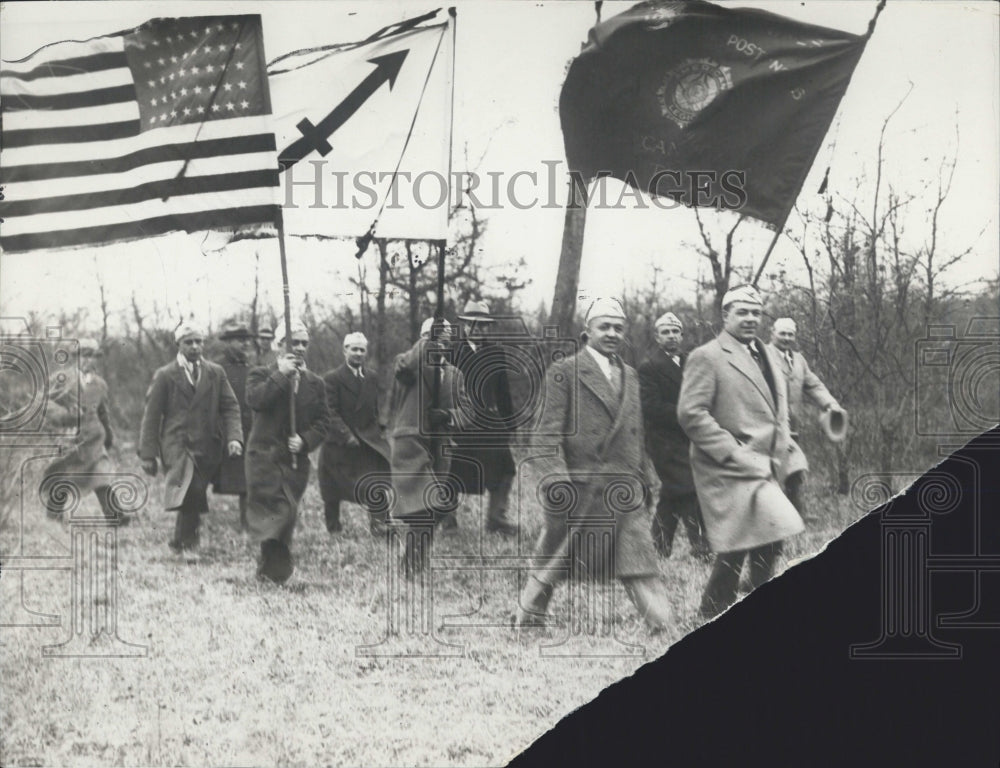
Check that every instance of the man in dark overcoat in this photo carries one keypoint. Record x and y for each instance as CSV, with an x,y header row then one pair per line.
x,y
191,418
236,362
482,460
354,444
659,387
733,406
420,432
597,472
274,485
74,401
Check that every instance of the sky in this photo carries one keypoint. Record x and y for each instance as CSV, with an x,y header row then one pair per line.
x,y
510,62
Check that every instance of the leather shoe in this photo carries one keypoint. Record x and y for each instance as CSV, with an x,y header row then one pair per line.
x,y
502,526
533,605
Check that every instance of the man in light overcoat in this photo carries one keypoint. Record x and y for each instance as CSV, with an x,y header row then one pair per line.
x,y
803,385
191,418
734,409
597,473
419,433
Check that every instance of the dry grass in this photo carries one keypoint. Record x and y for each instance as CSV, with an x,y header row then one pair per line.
x,y
240,673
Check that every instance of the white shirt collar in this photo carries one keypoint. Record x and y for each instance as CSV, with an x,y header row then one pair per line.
x,y
187,367
602,361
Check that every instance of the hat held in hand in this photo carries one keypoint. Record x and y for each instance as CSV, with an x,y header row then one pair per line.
x,y
834,424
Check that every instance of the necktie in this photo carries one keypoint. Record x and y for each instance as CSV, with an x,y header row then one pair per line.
x,y
788,358
358,373
194,373
615,379
756,356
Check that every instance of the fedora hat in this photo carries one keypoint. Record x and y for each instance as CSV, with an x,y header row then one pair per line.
x,y
234,330
834,424
476,311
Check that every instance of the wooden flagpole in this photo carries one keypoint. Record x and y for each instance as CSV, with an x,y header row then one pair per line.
x,y
760,270
280,223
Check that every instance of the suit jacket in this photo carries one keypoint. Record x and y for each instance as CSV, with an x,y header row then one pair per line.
x,y
273,486
188,427
354,410
802,384
740,445
659,389
415,470
595,442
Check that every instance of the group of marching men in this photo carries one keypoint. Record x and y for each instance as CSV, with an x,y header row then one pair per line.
x,y
719,426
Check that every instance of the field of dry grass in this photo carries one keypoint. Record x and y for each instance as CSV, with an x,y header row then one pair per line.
x,y
241,673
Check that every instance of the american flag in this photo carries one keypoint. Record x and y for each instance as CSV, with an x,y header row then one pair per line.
x,y
159,129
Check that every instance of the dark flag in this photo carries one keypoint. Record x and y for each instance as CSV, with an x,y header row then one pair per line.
x,y
706,105
153,130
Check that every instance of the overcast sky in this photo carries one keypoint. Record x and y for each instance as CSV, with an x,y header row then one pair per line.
x,y
510,63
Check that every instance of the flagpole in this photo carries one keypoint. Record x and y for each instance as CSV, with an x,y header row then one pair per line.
x,y
280,222
767,254
442,244
867,36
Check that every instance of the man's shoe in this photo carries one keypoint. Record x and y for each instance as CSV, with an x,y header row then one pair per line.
x,y
275,562
502,526
449,523
532,605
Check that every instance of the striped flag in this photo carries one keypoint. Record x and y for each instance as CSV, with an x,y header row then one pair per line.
x,y
154,130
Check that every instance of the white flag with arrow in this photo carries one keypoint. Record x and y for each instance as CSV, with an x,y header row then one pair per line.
x,y
363,134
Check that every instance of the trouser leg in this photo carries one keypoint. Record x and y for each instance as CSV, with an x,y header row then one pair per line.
x,y
500,499
418,536
664,525
723,583
649,595
793,490
689,512
189,515
109,507
244,525
762,561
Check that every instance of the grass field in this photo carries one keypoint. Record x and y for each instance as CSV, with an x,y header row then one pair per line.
x,y
241,673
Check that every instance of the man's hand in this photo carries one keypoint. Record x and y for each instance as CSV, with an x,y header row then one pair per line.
x,y
296,444
149,467
439,418
288,364
235,448
352,441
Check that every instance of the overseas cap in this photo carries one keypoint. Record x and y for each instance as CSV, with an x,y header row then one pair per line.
x,y
668,319
605,307
745,293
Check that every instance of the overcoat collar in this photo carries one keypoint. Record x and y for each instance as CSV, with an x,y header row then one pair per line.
x,y
184,386
672,369
740,360
348,378
593,378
